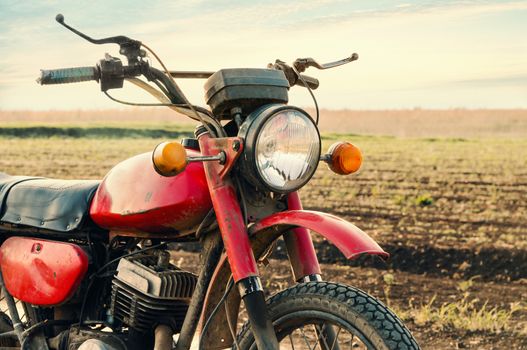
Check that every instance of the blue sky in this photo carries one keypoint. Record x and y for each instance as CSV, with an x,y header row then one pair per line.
x,y
429,54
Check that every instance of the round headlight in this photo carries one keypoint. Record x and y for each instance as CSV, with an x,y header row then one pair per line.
x,y
283,145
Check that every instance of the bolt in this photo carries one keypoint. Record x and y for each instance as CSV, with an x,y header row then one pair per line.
x,y
223,158
236,145
163,259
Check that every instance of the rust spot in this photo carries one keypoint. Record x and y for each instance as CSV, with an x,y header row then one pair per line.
x,y
36,248
135,212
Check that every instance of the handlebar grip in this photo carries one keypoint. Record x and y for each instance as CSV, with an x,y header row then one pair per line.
x,y
312,82
67,75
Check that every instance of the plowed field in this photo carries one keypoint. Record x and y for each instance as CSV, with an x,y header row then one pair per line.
x,y
451,211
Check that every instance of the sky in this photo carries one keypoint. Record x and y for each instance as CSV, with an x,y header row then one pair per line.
x,y
412,54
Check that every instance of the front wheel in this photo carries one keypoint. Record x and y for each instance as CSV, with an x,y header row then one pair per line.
x,y
331,316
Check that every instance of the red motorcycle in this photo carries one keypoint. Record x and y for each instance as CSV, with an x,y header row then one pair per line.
x,y
85,264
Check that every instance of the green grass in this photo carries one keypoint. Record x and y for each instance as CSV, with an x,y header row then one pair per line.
x,y
468,313
95,130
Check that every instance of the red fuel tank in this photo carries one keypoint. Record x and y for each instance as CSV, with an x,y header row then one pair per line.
x,y
133,197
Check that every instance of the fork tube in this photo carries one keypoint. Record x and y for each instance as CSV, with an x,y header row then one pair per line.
x,y
299,246
304,263
236,238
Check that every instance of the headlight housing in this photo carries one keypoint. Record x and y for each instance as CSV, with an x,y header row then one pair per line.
x,y
282,148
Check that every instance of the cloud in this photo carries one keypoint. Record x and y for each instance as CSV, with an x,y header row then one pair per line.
x,y
506,80
405,11
403,45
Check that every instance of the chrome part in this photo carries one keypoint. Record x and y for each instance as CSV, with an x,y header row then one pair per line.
x,y
249,285
302,63
281,148
220,157
95,344
190,74
325,157
311,278
87,339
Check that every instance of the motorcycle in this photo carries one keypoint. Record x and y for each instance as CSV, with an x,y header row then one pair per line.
x,y
86,264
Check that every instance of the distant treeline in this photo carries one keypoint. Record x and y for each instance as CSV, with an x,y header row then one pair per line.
x,y
91,132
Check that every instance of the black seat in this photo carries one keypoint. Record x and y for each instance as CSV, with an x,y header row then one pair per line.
x,y
58,205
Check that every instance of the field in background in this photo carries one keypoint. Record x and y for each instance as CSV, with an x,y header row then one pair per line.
x,y
401,123
448,200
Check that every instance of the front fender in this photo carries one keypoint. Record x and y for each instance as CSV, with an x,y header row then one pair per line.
x,y
348,238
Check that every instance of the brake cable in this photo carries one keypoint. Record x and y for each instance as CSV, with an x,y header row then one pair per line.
x,y
213,313
139,104
310,91
191,107
165,102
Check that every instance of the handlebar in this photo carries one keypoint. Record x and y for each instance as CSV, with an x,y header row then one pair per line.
x,y
313,83
109,71
293,76
68,75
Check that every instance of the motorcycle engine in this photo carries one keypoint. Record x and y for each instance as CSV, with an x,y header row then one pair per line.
x,y
148,291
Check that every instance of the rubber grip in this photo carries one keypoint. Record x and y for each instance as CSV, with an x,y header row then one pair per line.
x,y
67,75
312,82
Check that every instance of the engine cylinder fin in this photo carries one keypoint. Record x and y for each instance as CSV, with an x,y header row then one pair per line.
x,y
145,294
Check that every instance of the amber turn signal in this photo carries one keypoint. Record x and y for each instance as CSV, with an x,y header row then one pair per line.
x,y
169,158
344,158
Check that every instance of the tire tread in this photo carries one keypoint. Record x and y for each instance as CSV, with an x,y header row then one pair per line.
x,y
340,299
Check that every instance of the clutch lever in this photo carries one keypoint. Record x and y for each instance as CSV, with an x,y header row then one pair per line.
x,y
302,63
128,47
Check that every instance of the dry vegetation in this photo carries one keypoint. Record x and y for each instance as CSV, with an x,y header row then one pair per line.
x,y
449,203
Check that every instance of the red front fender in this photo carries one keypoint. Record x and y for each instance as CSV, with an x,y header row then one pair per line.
x,y
348,238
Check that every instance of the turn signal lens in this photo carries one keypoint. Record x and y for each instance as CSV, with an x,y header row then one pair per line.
x,y
344,158
169,158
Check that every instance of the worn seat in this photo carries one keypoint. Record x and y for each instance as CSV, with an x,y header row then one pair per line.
x,y
58,205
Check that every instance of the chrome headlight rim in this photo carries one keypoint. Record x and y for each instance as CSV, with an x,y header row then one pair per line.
x,y
250,131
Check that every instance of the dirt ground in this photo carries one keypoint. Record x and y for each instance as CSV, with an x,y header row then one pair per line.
x,y
411,289
452,212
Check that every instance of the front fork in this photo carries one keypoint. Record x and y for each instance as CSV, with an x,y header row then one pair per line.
x,y
305,266
235,238
300,249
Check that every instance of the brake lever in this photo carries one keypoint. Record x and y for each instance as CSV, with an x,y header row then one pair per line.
x,y
302,63
128,47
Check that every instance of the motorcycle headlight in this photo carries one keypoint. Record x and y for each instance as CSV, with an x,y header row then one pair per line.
x,y
282,148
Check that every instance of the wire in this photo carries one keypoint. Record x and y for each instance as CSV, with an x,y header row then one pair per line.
x,y
161,87
180,108
141,104
310,92
204,222
92,249
178,89
242,200
232,327
142,250
215,311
